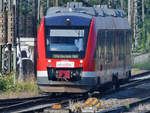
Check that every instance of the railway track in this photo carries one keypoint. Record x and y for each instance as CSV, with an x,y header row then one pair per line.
x,y
39,104
35,104
127,97
131,83
8,102
140,75
126,108
124,97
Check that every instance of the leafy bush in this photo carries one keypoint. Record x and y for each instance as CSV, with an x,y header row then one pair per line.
x,y
6,83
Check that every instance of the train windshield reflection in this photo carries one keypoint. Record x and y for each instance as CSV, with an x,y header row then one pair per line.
x,y
65,40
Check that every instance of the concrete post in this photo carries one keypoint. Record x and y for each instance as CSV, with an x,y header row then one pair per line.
x,y
48,4
1,5
135,23
129,11
143,15
56,2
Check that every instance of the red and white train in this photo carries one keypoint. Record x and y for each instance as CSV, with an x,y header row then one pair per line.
x,y
83,49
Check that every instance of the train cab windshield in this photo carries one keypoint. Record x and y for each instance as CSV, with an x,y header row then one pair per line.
x,y
66,42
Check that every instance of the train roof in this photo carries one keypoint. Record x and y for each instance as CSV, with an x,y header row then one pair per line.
x,y
91,11
102,15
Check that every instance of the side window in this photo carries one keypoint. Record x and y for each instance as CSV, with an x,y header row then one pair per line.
x,y
101,45
120,47
126,42
113,43
129,42
109,44
97,45
117,43
107,50
123,44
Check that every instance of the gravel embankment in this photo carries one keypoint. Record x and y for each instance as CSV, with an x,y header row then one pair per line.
x,y
142,108
126,96
17,95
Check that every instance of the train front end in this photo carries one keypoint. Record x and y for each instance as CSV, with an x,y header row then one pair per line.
x,y
66,45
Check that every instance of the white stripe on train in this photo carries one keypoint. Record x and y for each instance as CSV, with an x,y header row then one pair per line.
x,y
85,74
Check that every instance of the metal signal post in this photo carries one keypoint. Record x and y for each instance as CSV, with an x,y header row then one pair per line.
x,y
7,35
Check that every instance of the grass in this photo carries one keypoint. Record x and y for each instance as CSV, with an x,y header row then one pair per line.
x,y
28,86
7,85
142,66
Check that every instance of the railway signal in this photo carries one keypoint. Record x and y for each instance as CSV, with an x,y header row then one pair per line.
x,y
3,38
7,35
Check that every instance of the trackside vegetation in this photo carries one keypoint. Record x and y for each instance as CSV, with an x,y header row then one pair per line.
x,y
142,66
7,85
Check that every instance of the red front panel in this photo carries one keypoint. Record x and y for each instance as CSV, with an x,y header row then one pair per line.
x,y
67,63
88,63
41,61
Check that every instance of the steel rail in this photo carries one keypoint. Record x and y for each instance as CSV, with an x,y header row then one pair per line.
x,y
133,77
64,103
125,86
124,108
147,111
8,102
39,104
140,74
23,104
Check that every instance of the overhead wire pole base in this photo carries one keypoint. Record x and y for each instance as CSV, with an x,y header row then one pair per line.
x,y
0,58
21,76
15,44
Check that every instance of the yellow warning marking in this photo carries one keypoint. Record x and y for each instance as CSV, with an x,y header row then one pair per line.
x,y
88,101
95,101
98,105
57,106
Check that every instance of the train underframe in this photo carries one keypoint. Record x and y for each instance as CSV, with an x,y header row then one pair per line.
x,y
63,84
87,81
